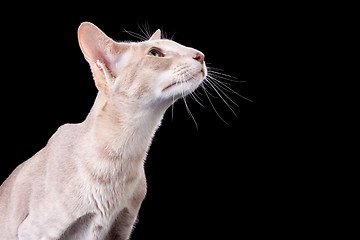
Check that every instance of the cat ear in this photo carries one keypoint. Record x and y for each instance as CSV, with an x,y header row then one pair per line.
x,y
96,46
156,35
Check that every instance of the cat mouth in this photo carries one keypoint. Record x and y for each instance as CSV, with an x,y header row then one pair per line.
x,y
176,83
180,82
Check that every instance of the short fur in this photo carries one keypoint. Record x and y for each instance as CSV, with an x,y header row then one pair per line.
x,y
88,182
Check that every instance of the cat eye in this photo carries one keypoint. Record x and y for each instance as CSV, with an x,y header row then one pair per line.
x,y
155,52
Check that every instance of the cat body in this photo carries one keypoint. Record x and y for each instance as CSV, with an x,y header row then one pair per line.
x,y
88,182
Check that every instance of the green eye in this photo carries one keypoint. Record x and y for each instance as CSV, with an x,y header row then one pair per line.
x,y
155,52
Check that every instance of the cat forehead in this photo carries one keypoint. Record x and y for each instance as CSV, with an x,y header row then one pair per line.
x,y
163,44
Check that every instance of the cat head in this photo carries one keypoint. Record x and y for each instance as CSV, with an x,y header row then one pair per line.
x,y
156,71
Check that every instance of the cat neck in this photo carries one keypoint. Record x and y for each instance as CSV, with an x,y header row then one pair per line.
x,y
121,132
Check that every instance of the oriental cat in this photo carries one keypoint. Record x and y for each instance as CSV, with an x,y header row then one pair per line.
x,y
88,182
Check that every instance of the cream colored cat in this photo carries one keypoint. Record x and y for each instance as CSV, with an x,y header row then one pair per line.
x,y
88,182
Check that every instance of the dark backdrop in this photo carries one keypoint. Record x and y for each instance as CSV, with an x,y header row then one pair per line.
x,y
213,180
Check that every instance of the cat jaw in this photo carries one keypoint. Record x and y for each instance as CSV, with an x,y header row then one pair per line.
x,y
145,74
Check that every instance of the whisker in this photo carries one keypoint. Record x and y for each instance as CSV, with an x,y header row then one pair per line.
x,y
145,29
225,86
227,104
196,98
189,112
219,87
224,76
220,71
163,34
215,85
136,35
212,105
172,36
212,70
187,75
209,93
149,32
172,107
184,95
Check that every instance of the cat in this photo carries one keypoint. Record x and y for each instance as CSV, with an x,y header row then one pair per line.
x,y
88,182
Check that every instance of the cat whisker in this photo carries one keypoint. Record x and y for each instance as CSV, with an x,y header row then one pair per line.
x,y
196,98
189,112
220,71
214,76
164,34
212,105
216,72
220,83
217,90
172,36
145,29
145,34
184,77
215,81
173,102
208,93
136,35
172,107
222,87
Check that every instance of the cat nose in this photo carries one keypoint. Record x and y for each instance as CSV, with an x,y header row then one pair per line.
x,y
199,57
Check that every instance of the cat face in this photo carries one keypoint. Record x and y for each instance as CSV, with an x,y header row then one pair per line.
x,y
146,73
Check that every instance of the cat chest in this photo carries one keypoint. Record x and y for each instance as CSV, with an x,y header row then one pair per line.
x,y
109,199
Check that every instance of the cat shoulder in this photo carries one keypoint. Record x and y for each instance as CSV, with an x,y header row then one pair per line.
x,y
65,133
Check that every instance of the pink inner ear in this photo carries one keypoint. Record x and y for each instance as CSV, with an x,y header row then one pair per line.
x,y
89,39
95,46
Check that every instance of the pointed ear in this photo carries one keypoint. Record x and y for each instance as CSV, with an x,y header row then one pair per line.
x,y
156,35
95,46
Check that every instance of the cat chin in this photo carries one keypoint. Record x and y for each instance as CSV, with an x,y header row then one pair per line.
x,y
181,89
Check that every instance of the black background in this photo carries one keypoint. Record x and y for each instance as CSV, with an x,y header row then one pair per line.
x,y
216,180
